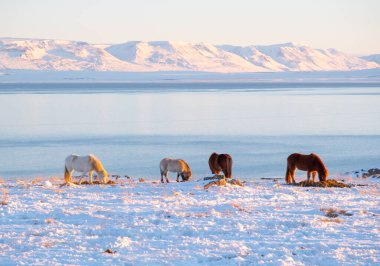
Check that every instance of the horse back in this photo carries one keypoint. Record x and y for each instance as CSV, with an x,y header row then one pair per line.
x,y
171,165
305,162
71,158
81,163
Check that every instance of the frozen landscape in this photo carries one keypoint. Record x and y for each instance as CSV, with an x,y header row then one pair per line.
x,y
124,91
139,223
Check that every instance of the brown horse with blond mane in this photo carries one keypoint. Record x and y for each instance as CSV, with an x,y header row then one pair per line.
x,y
221,162
310,163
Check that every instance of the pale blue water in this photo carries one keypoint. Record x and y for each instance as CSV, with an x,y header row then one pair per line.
x,y
130,127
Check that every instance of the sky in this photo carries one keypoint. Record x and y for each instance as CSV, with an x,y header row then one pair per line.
x,y
347,25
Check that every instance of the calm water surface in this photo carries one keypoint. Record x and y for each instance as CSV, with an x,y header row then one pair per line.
x,y
130,127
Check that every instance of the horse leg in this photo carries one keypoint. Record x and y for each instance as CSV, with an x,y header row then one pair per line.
x,y
90,177
308,178
292,174
81,177
314,174
167,177
177,177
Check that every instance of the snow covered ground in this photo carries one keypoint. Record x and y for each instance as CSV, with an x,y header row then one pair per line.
x,y
264,222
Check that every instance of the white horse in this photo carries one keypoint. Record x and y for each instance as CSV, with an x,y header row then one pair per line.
x,y
85,164
178,166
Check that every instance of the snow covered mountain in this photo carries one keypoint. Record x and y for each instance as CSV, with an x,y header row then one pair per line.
x,y
181,56
372,58
58,55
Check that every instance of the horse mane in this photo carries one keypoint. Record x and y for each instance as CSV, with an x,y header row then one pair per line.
x,y
321,164
187,166
97,165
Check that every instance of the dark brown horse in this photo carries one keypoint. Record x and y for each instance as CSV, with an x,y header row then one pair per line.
x,y
221,162
310,163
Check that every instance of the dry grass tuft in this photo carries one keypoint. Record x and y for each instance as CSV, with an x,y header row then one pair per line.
x,y
175,193
47,245
328,183
95,182
235,182
333,213
55,179
239,208
223,182
49,220
334,220
4,198
214,177
37,180
109,251
141,180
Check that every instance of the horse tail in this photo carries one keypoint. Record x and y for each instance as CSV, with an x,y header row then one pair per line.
x,y
211,162
291,163
67,175
287,175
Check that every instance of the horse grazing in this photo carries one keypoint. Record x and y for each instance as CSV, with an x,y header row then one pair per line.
x,y
221,162
310,163
178,166
85,164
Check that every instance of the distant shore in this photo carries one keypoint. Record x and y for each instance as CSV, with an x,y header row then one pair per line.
x,y
346,77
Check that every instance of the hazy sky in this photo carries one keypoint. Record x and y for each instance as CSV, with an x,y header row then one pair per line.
x,y
348,25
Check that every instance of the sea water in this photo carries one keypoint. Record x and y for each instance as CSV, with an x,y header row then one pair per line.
x,y
132,126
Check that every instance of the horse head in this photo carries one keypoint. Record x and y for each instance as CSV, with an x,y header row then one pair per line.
x,y
323,174
103,175
186,175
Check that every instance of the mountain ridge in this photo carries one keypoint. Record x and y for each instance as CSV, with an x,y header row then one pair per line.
x,y
142,56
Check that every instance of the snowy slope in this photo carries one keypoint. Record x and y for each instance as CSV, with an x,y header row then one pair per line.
x,y
255,57
303,58
182,56
58,55
372,58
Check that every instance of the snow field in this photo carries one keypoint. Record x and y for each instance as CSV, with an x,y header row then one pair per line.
x,y
180,223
